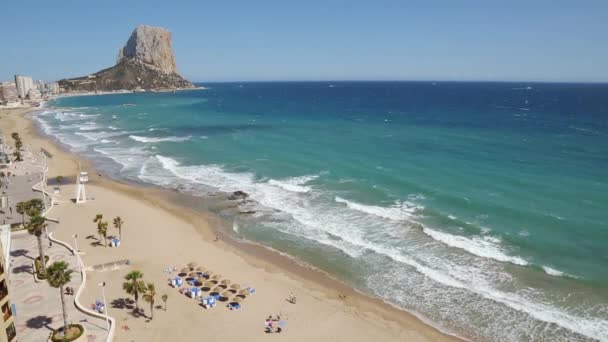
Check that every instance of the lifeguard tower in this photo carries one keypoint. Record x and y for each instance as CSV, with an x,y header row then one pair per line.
x,y
81,193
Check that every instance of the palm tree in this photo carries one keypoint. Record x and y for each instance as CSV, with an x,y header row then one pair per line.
x,y
134,285
58,276
20,208
36,226
164,298
98,219
118,222
103,231
150,296
34,207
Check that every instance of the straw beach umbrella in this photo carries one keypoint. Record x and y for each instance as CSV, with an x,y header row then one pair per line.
x,y
217,277
244,292
235,286
226,294
208,284
192,265
199,269
237,299
183,272
226,282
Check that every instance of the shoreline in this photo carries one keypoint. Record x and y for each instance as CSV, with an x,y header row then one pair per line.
x,y
255,255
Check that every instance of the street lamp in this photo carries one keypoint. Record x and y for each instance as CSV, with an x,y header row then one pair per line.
x,y
75,243
105,307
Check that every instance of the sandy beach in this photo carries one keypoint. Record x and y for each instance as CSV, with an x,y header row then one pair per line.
x,y
158,234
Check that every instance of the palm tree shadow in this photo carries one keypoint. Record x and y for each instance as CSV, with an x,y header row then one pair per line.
x,y
23,269
123,303
39,322
138,313
21,252
86,321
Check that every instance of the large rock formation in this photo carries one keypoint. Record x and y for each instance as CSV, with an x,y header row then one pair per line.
x,y
145,62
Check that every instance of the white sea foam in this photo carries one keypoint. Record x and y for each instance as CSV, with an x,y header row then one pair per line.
x,y
486,247
398,211
294,184
347,228
160,139
88,127
557,273
130,158
97,136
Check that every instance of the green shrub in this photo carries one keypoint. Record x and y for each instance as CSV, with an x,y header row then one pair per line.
x,y
71,334
39,273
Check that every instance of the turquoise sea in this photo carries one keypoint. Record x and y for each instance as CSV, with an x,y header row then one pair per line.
x,y
480,207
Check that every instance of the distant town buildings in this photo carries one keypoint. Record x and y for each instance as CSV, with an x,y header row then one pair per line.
x,y
8,93
24,84
23,89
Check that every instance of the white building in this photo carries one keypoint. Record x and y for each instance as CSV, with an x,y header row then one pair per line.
x,y
8,93
34,94
52,88
24,84
41,86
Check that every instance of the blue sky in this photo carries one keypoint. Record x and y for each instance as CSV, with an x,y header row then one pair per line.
x,y
318,40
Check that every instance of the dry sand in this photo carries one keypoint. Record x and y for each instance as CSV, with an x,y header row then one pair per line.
x,y
158,234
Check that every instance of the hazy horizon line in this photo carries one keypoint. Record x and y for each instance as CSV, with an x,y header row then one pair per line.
x,y
404,81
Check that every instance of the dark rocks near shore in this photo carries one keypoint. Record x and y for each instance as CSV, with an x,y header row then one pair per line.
x,y
238,195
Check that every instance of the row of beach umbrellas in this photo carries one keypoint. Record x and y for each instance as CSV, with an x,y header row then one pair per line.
x,y
193,271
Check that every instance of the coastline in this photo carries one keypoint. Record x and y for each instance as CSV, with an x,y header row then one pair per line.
x,y
394,323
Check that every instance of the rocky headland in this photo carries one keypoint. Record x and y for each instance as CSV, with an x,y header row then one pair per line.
x,y
146,62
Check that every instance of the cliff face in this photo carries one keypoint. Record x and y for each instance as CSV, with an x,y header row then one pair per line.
x,y
151,46
145,62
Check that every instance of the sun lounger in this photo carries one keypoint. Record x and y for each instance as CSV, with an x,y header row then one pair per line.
x,y
208,302
176,282
234,306
251,290
195,292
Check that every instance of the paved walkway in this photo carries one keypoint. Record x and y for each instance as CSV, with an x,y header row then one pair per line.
x,y
38,305
18,189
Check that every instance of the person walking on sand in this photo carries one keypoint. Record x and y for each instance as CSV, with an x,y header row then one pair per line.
x,y
292,298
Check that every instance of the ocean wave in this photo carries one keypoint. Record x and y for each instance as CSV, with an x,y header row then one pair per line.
x,y
130,159
485,247
587,326
294,184
347,226
96,136
161,139
398,211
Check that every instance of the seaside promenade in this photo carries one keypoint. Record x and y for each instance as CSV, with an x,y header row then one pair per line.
x,y
36,305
